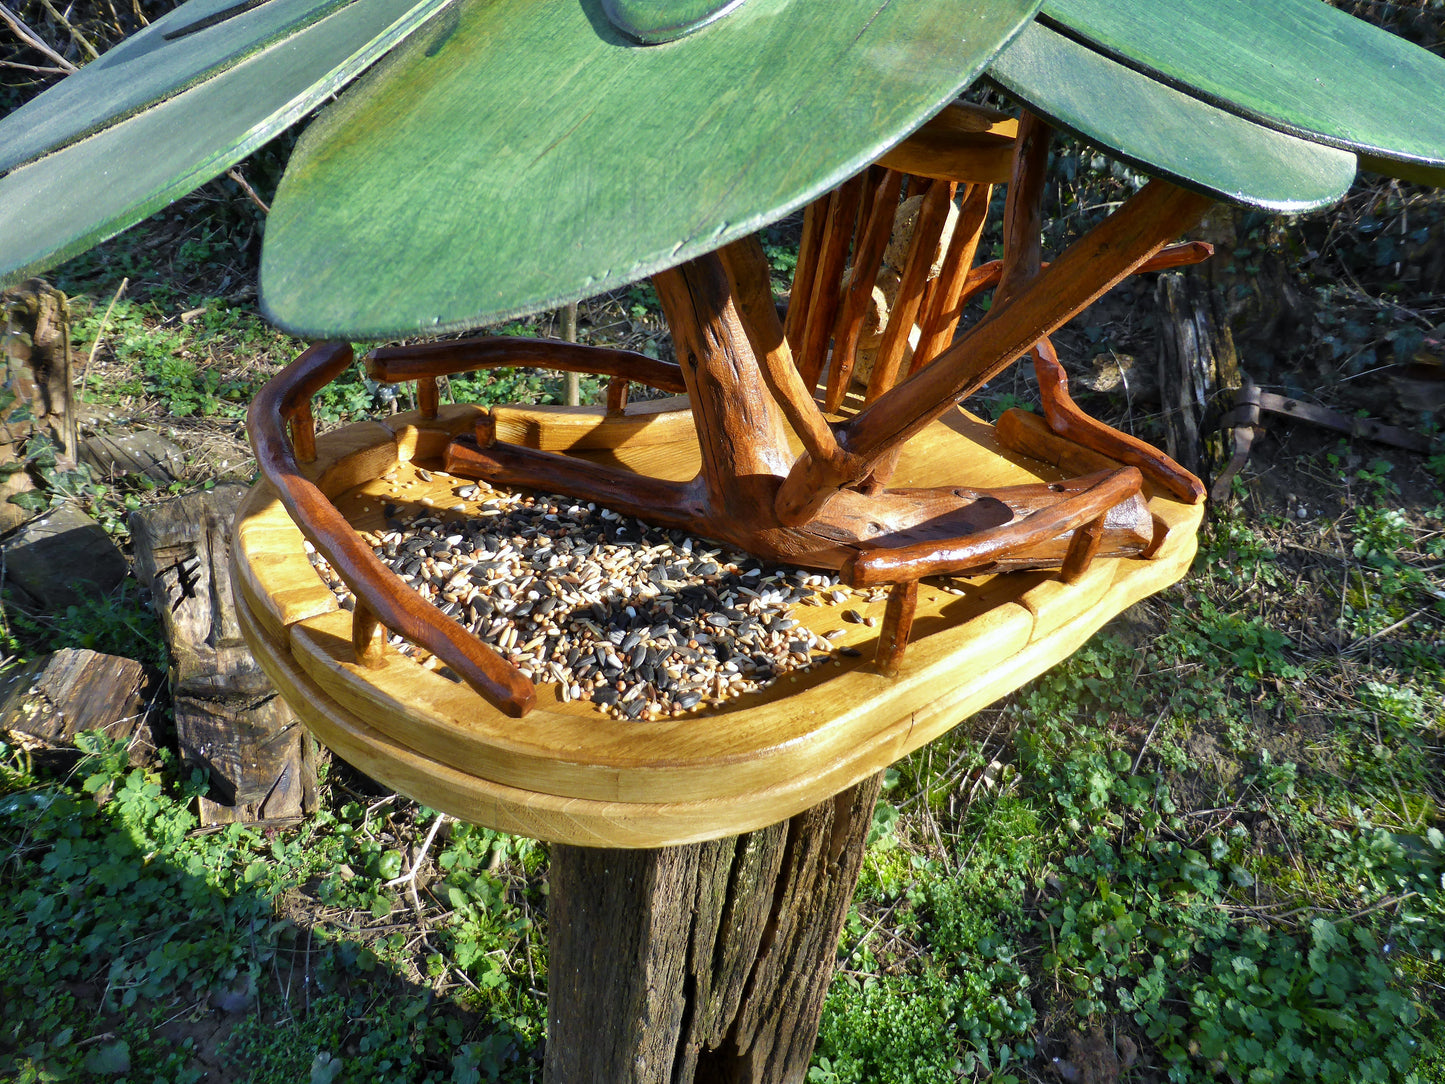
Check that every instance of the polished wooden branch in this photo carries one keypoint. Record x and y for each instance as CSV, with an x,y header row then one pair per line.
x,y
743,406
751,382
395,364
382,596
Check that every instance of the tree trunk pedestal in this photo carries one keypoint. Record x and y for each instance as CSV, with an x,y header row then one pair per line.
x,y
701,964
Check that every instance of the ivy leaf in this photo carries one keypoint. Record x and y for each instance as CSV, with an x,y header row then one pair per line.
x,y
31,501
111,1059
389,865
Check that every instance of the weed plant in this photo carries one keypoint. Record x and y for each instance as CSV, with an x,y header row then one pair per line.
x,y
1212,845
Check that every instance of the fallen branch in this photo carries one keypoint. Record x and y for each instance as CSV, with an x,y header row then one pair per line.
x,y
32,39
235,175
90,51
100,332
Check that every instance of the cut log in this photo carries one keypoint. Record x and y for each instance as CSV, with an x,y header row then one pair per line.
x,y
229,719
47,702
37,334
1198,366
706,963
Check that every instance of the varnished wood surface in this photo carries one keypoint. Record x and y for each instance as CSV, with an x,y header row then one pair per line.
x,y
1166,132
963,143
602,161
382,591
569,773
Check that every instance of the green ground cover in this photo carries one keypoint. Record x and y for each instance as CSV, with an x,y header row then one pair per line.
x,y
1206,848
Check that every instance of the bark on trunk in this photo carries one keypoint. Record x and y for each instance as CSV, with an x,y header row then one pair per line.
x,y
701,964
1198,367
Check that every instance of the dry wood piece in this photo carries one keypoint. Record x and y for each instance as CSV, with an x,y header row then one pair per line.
x,y
1197,363
229,719
706,962
48,701
37,322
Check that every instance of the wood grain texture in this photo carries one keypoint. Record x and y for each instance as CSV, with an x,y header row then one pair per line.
x,y
395,364
744,450
867,258
1066,419
1096,499
229,721
965,143
707,962
1297,65
652,422
922,249
1114,249
1166,132
577,140
53,208
837,241
750,282
571,774
801,289
945,303
383,592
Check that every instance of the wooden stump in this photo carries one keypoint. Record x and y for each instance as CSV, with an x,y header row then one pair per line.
x,y
230,720
37,335
1198,364
701,964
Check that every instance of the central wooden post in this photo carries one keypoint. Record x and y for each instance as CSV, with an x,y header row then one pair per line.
x,y
701,964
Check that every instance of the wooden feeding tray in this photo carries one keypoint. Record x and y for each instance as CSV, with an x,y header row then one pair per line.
x,y
570,773
971,558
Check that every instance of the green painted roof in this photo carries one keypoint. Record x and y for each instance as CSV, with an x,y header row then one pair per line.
x,y
76,197
531,154
1300,66
1165,131
150,66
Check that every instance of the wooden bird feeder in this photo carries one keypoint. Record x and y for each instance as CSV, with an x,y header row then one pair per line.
x,y
1002,548
715,851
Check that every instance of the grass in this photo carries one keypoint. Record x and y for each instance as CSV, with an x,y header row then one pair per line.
x,y
1206,848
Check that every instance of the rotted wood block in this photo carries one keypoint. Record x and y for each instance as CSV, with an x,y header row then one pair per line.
x,y
229,719
702,963
47,702
37,326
